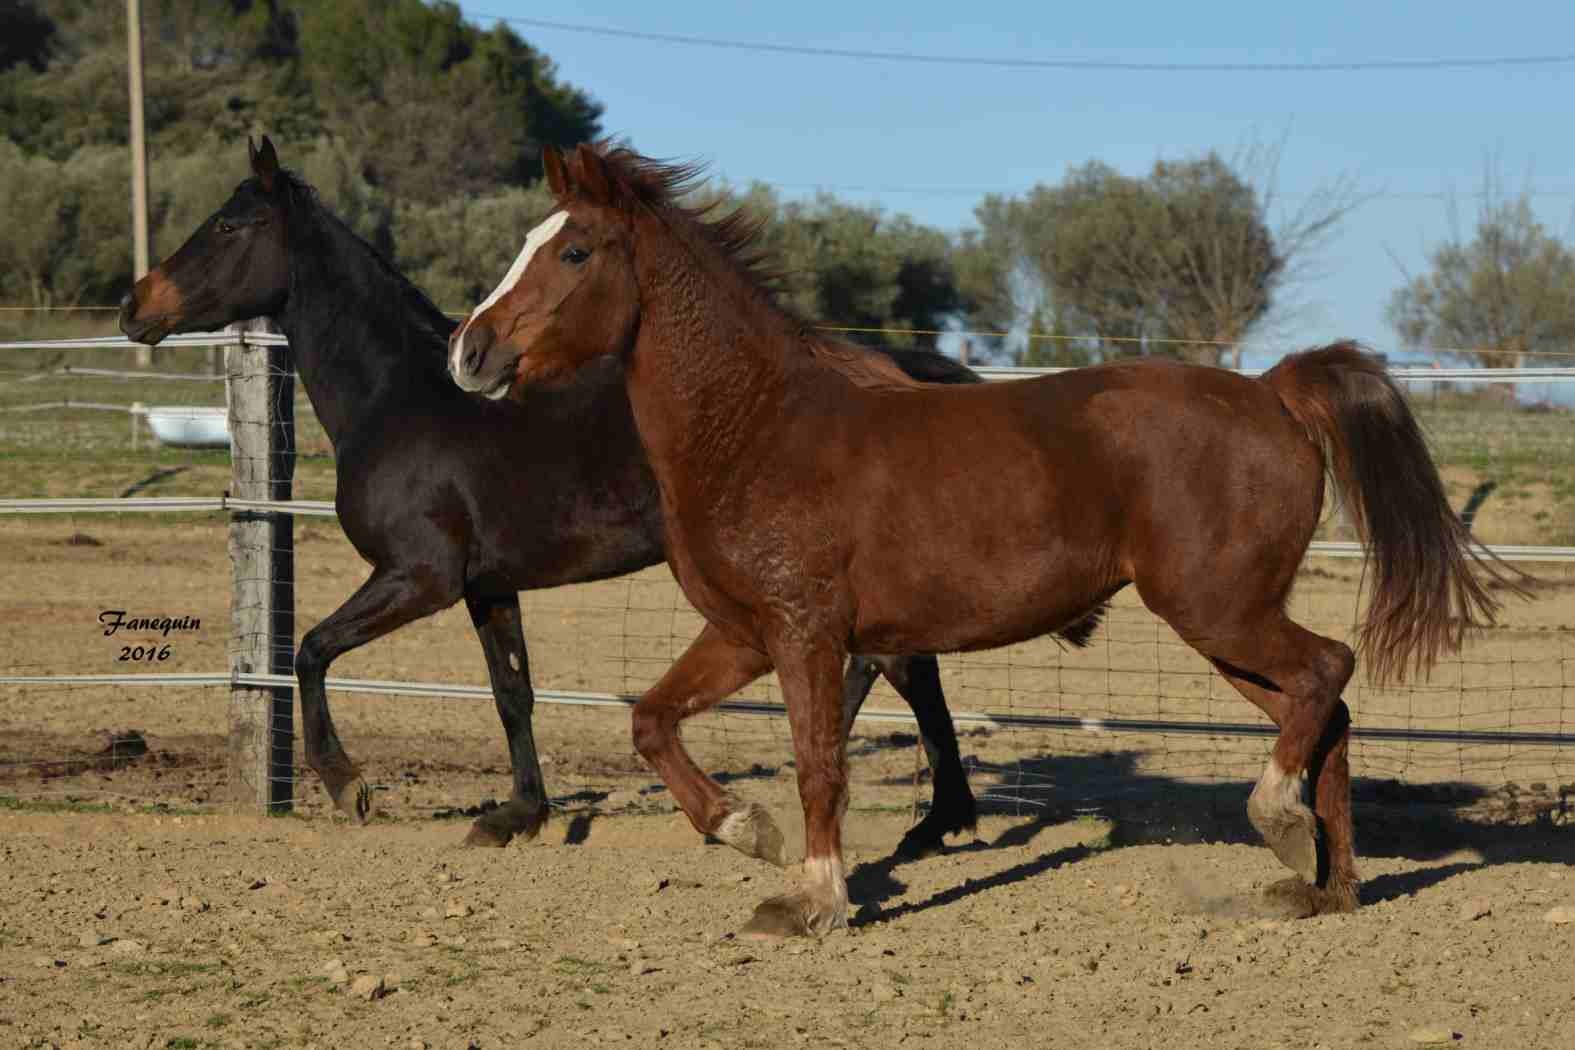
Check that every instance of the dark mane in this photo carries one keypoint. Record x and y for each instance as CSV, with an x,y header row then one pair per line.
x,y
636,182
630,182
369,275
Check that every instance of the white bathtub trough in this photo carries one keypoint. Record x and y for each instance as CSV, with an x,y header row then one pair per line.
x,y
189,426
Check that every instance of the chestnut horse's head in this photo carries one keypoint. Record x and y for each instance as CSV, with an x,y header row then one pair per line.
x,y
233,267
571,294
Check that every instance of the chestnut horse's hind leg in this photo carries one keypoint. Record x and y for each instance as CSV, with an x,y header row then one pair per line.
x,y
1335,886
497,623
707,672
809,686
917,680
1296,677
1301,805
387,601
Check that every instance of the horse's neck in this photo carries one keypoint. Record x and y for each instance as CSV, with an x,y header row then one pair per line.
x,y
353,348
702,381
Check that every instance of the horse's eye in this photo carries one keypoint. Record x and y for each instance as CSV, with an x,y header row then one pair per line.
x,y
575,255
224,227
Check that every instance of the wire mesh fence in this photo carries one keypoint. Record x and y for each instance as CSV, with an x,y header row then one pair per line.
x,y
1137,714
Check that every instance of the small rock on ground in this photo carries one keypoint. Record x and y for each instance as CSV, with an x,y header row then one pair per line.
x,y
1476,908
368,987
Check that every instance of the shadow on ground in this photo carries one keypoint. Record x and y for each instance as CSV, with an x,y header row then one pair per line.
x,y
1462,826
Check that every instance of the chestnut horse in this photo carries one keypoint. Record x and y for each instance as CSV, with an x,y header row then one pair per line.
x,y
809,511
436,515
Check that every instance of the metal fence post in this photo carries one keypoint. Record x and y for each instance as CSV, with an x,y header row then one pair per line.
x,y
261,412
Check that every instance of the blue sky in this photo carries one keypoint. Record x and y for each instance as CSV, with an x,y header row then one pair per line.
x,y
928,140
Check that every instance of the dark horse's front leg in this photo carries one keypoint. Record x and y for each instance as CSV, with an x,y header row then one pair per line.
x,y
497,621
917,680
387,601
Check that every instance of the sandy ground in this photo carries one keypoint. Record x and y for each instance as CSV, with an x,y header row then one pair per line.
x,y
428,755
1109,900
216,931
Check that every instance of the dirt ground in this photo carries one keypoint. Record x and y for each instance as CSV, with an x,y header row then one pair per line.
x,y
1110,899
220,931
58,575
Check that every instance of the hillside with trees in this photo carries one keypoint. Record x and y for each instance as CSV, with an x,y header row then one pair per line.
x,y
425,131
360,95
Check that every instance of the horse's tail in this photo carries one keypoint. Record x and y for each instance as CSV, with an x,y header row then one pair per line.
x,y
1426,593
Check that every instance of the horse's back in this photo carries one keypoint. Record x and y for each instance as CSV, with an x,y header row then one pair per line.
x,y
1041,496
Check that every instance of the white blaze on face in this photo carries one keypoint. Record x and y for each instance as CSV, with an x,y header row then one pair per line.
x,y
533,240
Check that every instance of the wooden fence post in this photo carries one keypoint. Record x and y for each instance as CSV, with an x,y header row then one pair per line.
x,y
261,412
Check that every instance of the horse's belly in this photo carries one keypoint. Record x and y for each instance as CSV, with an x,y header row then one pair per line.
x,y
977,604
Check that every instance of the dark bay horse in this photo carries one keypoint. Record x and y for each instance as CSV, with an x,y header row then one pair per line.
x,y
808,515
433,489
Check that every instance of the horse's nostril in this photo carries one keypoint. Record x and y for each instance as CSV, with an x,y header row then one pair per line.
x,y
477,342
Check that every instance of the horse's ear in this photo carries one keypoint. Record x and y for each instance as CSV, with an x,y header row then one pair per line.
x,y
557,172
265,162
595,182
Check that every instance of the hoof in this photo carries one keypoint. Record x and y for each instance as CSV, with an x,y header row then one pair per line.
x,y
750,829
927,838
1295,899
1278,810
484,837
352,796
777,919
500,826
1292,898
819,908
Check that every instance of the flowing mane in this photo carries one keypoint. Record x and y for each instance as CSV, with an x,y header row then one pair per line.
x,y
630,182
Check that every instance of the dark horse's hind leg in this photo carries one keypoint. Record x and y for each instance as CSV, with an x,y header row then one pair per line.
x,y
497,621
387,601
917,680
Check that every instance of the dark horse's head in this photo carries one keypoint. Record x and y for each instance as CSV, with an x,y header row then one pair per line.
x,y
235,266
571,294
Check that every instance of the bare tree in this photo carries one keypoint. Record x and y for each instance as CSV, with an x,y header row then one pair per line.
x,y
1493,298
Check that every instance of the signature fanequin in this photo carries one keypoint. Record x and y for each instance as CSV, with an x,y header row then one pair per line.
x,y
113,620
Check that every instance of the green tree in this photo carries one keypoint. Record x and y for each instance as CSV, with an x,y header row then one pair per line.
x,y
1182,261
67,227
389,107
435,105
1507,291
1051,343
854,266
458,249
32,213
25,35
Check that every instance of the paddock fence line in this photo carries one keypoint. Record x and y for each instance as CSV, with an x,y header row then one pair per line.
x,y
270,647
324,509
452,691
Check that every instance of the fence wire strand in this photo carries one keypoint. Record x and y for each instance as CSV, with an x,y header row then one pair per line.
x,y
1137,714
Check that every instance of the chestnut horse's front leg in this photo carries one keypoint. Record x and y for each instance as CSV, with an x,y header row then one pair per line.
x,y
710,670
811,677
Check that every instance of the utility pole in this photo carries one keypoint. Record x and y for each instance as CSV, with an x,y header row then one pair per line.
x,y
139,157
